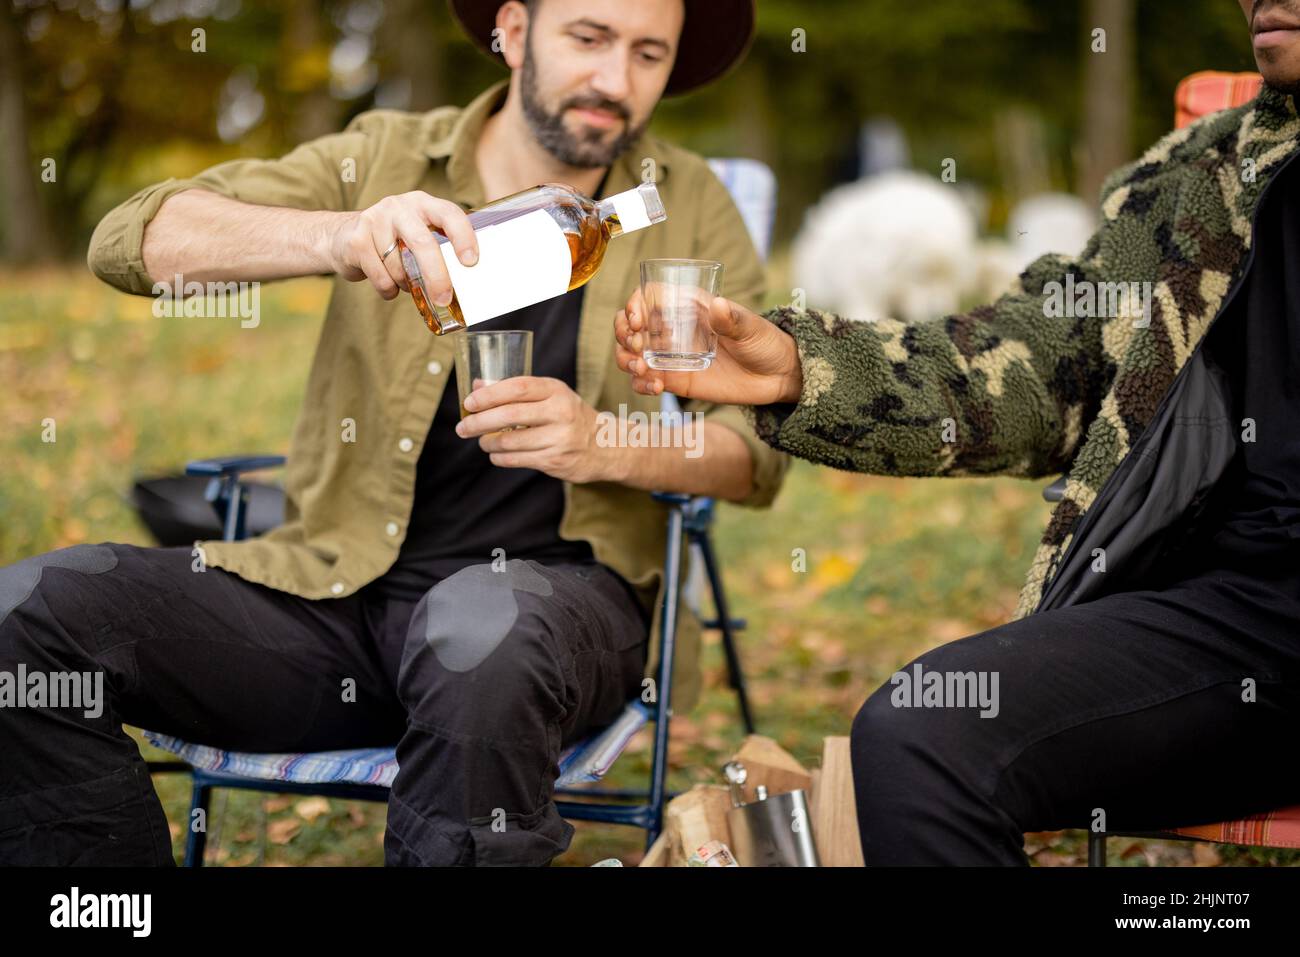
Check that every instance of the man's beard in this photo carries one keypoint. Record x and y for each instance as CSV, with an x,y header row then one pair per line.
x,y
587,152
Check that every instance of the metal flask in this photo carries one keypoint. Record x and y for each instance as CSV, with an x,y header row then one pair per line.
x,y
771,831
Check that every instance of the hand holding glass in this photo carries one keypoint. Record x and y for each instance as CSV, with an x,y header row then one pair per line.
x,y
677,294
483,358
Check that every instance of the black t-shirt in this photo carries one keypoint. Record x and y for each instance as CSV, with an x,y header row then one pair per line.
x,y
465,507
1257,342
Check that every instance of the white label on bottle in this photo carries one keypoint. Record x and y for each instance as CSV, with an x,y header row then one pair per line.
x,y
520,262
631,210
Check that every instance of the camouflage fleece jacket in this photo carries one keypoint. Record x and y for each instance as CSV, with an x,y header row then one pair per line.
x,y
1011,387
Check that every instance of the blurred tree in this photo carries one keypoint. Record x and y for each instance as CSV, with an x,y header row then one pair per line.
x,y
1107,90
305,71
120,93
415,48
946,70
25,231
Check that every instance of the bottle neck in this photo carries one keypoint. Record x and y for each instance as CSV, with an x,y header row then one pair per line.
x,y
608,214
631,210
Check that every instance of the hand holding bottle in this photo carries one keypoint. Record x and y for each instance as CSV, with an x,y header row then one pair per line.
x,y
364,243
756,362
532,245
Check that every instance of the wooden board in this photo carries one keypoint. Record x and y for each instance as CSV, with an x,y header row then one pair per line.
x,y
657,856
769,764
694,818
834,811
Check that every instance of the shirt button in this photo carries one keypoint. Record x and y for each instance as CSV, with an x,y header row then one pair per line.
x,y
336,588
435,367
391,528
406,444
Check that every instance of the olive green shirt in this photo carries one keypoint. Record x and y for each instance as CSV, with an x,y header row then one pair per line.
x,y
378,366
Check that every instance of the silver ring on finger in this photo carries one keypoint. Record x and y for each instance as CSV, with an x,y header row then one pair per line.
x,y
389,251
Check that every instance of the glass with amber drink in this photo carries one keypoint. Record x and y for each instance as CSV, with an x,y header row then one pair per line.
x,y
483,358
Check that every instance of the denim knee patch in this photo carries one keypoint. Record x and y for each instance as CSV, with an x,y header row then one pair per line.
x,y
19,580
467,615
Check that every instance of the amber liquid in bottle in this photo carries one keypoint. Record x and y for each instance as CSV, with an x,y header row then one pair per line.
x,y
587,225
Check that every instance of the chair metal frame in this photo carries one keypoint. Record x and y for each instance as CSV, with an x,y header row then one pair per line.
x,y
689,521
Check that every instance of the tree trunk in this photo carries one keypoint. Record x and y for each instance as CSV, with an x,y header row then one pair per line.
x,y
26,227
315,112
1107,91
416,43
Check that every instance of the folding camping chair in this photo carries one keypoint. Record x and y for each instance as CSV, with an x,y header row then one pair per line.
x,y
366,774
1197,95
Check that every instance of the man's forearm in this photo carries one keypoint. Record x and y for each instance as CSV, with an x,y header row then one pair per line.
x,y
207,237
725,469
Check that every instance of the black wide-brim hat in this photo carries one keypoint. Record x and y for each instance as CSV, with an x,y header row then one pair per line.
x,y
715,36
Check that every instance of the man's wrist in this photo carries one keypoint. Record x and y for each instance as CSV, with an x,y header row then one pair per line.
x,y
613,463
792,379
327,243
792,388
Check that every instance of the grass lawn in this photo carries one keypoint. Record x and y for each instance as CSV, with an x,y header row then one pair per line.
x,y
894,567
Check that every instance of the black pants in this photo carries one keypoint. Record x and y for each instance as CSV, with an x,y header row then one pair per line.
x,y
1169,707
480,683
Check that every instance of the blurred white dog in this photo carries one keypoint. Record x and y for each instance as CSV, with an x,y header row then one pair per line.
x,y
1049,223
898,244
905,245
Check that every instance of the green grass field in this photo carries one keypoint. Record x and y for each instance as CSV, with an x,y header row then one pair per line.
x,y
894,567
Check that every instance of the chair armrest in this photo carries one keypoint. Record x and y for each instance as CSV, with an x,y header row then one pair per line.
x,y
671,498
697,510
1056,491
229,495
229,466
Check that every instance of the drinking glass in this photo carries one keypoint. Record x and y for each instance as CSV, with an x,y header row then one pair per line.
x,y
483,358
677,293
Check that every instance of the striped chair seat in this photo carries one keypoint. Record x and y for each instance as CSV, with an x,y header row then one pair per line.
x,y
1280,828
584,761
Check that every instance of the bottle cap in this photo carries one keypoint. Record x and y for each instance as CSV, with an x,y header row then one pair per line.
x,y
639,208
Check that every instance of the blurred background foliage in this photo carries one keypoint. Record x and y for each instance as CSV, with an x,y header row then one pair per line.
x,y
113,92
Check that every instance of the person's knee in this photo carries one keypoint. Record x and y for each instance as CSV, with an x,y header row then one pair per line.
x,y
882,734
37,602
463,619
930,718
482,637
47,656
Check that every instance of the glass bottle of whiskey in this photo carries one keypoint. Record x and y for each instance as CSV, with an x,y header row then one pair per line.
x,y
533,245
